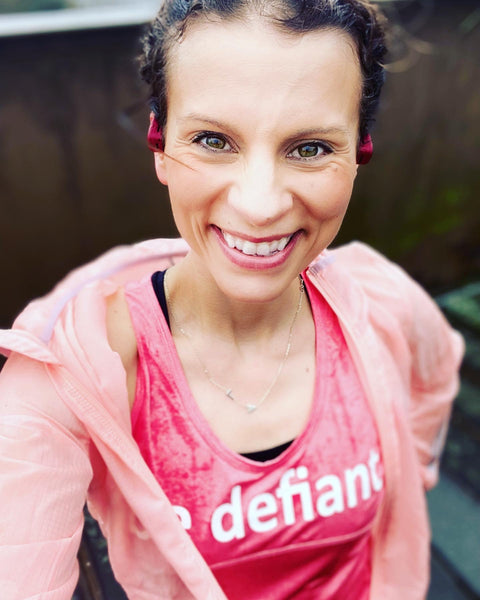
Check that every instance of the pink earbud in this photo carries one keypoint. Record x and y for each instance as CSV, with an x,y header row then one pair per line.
x,y
154,136
365,150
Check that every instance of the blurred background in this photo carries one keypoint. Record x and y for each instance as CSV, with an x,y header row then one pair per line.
x,y
76,178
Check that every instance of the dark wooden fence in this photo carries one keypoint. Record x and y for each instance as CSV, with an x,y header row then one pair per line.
x,y
76,177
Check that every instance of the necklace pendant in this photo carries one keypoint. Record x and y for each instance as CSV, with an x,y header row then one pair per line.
x,y
229,394
251,408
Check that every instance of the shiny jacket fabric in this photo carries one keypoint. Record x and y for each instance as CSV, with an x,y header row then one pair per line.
x,y
65,432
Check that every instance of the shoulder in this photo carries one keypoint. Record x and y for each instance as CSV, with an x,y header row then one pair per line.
x,y
121,336
120,333
95,280
357,269
381,293
387,284
368,265
371,288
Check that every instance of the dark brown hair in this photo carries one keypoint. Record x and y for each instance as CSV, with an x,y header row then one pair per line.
x,y
358,18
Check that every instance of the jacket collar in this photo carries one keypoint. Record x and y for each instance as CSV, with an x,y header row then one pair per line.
x,y
344,294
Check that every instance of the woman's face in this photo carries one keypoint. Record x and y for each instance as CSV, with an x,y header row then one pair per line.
x,y
260,150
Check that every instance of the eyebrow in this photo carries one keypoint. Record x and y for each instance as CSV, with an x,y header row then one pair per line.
x,y
203,118
311,131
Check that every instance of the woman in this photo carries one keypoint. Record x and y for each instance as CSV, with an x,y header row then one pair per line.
x,y
258,418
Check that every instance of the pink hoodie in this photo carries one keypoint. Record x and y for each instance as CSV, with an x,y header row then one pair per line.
x,y
65,431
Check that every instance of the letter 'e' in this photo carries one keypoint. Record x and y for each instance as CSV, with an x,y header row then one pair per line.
x,y
262,506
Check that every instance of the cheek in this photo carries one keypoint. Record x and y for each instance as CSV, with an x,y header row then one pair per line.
x,y
193,199
193,189
184,201
331,196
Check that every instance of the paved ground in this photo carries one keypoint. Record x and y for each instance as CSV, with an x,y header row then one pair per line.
x,y
455,517
455,503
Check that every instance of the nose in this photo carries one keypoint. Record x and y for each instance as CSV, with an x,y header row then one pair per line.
x,y
257,193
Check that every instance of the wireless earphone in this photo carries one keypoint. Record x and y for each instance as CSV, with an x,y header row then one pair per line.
x,y
154,136
365,150
155,143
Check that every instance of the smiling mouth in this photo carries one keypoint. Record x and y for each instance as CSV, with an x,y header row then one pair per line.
x,y
256,249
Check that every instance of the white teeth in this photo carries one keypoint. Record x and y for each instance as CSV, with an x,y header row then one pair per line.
x,y
229,239
252,249
249,248
263,249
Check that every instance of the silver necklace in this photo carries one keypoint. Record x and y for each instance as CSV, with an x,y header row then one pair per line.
x,y
250,407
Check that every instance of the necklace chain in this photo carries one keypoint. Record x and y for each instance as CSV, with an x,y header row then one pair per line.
x,y
249,406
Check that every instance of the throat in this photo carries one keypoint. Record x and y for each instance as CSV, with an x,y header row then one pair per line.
x,y
218,379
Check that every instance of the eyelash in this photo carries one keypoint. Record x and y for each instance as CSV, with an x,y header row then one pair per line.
x,y
321,146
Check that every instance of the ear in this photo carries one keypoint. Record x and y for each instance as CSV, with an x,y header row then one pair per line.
x,y
160,167
155,143
365,150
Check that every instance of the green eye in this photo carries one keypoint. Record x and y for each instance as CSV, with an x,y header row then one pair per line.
x,y
215,142
212,141
308,150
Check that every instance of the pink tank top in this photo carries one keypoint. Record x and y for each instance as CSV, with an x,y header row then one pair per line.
x,y
298,526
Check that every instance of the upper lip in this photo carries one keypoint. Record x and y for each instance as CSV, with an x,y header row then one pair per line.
x,y
258,240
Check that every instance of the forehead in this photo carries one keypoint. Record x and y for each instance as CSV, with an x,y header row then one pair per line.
x,y
251,66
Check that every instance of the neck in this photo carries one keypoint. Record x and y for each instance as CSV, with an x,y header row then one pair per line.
x,y
201,307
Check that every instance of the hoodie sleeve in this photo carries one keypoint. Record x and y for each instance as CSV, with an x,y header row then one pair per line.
x,y
44,476
437,351
426,349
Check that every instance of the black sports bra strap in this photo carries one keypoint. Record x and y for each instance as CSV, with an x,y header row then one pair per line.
x,y
159,289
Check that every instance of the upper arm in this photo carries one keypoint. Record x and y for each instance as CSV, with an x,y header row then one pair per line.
x,y
437,351
426,350
121,337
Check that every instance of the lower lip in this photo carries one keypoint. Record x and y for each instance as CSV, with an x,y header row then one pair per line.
x,y
256,263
